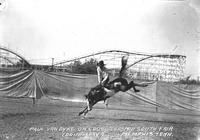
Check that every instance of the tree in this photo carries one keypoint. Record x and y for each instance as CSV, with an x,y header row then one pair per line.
x,y
88,67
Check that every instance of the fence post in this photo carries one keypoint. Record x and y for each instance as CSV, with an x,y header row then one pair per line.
x,y
33,102
156,94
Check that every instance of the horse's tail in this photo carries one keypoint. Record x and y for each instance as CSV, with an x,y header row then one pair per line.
x,y
123,67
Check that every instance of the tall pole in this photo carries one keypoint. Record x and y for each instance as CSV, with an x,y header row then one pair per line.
x,y
156,94
52,63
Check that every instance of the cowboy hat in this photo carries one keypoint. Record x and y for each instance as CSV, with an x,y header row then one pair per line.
x,y
101,63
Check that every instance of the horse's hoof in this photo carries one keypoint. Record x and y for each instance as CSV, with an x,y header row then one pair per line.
x,y
79,114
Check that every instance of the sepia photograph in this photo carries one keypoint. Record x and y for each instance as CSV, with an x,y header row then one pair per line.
x,y
100,70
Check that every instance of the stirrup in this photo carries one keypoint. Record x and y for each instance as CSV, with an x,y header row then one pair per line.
x,y
107,90
117,84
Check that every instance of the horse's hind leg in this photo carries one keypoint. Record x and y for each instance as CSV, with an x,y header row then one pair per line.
x,y
136,90
132,85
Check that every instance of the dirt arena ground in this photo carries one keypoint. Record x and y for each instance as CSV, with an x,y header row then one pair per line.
x,y
59,120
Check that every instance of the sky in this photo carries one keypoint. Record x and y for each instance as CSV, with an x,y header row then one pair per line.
x,y
63,29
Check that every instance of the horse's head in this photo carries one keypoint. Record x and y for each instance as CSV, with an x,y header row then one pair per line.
x,y
95,94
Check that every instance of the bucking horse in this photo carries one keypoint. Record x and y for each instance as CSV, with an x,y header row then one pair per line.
x,y
102,93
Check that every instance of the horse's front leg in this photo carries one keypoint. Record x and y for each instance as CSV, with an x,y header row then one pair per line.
x,y
86,109
89,108
106,103
83,111
86,112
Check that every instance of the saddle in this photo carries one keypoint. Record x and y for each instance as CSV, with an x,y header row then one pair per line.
x,y
111,86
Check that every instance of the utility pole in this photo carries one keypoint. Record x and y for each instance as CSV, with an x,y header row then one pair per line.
x,y
52,63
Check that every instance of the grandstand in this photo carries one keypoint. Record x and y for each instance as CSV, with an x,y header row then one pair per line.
x,y
20,79
10,61
162,67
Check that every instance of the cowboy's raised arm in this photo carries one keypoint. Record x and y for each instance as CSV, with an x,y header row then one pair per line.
x,y
99,75
105,78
